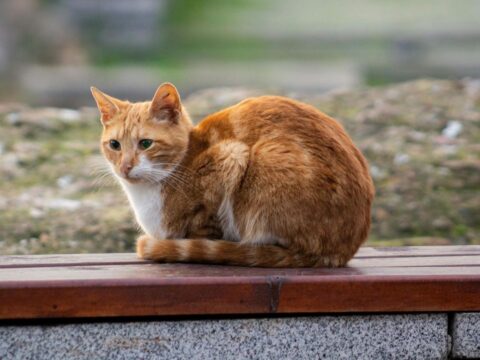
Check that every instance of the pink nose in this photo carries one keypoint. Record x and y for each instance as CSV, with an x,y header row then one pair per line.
x,y
125,169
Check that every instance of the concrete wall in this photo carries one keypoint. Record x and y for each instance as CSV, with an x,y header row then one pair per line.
x,y
402,336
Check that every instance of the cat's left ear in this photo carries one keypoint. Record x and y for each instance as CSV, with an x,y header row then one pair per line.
x,y
166,103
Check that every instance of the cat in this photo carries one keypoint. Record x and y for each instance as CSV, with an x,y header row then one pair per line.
x,y
269,182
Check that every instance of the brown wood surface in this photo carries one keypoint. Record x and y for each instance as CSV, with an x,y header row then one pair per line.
x,y
409,279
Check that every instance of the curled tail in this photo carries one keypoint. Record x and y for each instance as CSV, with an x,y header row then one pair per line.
x,y
230,253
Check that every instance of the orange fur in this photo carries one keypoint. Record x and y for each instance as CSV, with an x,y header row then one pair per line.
x,y
268,182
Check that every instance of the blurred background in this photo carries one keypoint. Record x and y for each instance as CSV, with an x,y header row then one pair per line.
x,y
402,77
51,50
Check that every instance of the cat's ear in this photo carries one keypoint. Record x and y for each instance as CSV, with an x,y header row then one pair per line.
x,y
166,103
107,105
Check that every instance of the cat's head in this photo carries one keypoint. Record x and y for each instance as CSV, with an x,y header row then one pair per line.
x,y
145,141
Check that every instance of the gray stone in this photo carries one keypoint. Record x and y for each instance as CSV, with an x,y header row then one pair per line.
x,y
407,336
466,335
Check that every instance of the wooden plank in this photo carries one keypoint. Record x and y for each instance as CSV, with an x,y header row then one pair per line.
x,y
174,289
13,261
416,261
414,251
141,298
131,258
381,294
128,272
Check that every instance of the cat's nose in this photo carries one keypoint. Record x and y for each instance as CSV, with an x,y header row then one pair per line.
x,y
125,169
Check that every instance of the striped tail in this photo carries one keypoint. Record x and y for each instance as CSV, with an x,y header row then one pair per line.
x,y
230,253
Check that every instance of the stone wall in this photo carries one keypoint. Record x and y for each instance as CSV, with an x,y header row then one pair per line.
x,y
400,336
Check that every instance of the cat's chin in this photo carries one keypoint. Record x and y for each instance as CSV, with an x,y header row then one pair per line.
x,y
135,180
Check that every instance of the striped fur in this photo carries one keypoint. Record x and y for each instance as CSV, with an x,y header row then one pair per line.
x,y
230,253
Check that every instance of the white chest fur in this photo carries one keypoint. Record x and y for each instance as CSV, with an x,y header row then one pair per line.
x,y
147,203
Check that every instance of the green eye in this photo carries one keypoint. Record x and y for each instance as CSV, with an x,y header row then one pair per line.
x,y
145,143
114,145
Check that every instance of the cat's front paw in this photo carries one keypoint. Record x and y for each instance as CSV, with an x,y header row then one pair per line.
x,y
142,246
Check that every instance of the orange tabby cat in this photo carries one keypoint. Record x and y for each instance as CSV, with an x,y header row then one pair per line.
x,y
268,182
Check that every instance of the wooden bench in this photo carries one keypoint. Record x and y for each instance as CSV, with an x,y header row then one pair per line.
x,y
410,279
389,301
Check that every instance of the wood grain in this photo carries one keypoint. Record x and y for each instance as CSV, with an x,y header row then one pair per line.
x,y
67,259
115,285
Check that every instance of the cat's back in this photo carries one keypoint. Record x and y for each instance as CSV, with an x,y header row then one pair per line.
x,y
256,116
275,117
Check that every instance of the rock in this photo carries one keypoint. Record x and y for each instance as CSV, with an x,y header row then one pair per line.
x,y
401,159
452,129
64,181
63,204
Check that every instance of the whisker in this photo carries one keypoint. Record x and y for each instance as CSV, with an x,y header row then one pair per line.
x,y
101,170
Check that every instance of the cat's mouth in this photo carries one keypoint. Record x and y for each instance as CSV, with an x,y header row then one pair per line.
x,y
131,177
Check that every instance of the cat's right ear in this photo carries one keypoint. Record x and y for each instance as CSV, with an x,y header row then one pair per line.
x,y
107,105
